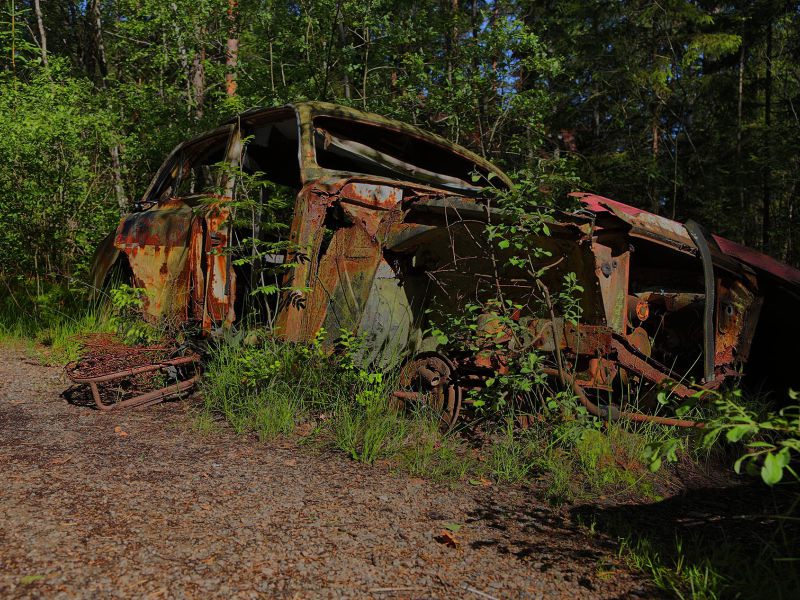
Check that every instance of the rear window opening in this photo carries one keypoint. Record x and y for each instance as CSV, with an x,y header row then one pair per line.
x,y
193,171
272,148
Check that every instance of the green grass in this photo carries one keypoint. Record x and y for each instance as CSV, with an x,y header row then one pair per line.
x,y
273,389
50,325
744,552
702,568
279,389
428,453
270,388
369,433
676,574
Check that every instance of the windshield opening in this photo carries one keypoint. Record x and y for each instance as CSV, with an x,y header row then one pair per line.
x,y
351,146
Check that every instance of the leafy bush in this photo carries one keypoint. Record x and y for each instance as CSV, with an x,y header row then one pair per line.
x,y
770,439
56,195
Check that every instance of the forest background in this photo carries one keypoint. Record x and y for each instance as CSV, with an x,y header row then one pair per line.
x,y
686,108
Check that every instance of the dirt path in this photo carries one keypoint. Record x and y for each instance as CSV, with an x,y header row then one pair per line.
x,y
162,512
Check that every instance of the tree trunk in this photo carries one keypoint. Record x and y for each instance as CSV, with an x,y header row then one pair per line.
x,y
451,41
739,178
788,247
42,33
367,41
654,203
232,48
767,170
345,76
116,165
183,56
199,82
99,46
119,189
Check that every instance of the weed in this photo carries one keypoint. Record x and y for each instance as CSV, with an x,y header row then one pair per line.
x,y
512,457
676,575
695,563
203,422
370,433
430,454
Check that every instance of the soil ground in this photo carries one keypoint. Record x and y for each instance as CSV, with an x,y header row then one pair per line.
x,y
136,504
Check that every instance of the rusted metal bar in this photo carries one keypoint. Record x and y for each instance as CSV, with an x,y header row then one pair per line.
x,y
145,399
404,395
627,359
709,329
432,377
174,362
612,413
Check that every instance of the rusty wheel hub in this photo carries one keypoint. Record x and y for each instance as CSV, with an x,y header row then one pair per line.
x,y
428,380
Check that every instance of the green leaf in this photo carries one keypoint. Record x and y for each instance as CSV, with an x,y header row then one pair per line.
x,y
454,527
736,433
503,244
655,464
783,457
772,469
737,466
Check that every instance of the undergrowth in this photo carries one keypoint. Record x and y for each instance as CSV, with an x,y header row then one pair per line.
x,y
49,321
270,388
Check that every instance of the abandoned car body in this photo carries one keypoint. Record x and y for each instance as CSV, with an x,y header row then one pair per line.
x,y
387,221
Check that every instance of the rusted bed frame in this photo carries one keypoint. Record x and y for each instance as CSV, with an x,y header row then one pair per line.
x,y
142,400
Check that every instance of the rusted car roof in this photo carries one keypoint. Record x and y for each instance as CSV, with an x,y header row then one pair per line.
x,y
676,232
306,112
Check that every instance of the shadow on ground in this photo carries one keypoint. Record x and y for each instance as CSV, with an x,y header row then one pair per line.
x,y
746,533
535,534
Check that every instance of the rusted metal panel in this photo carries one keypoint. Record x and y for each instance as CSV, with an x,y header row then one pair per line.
x,y
734,309
781,271
652,226
220,279
306,235
371,254
579,339
612,273
156,243
372,195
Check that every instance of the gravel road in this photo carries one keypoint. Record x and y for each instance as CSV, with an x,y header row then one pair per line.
x,y
137,505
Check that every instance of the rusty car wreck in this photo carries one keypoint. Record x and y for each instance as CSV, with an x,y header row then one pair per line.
x,y
387,221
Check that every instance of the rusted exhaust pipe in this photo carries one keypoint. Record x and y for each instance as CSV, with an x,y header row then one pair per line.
x,y
612,413
403,395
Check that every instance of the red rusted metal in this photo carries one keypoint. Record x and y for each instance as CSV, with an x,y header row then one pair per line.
x,y
427,379
372,195
757,260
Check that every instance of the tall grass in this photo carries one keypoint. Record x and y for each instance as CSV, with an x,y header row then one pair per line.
x,y
50,323
271,387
